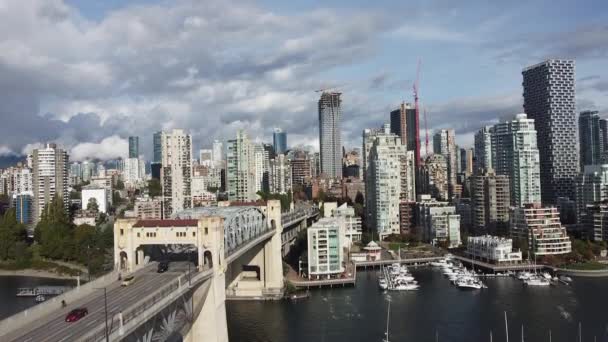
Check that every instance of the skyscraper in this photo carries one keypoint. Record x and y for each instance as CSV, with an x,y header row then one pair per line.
x,y
330,139
176,172
515,154
491,201
483,150
590,138
466,161
240,169
157,155
389,180
435,176
218,153
133,147
279,141
50,179
550,99
399,122
157,147
444,143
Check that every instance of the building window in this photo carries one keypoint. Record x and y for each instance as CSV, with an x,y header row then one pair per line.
x,y
137,234
193,234
122,232
206,231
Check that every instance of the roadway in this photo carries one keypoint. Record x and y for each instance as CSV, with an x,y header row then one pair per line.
x,y
54,328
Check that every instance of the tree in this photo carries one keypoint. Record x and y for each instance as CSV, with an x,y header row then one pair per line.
x,y
154,187
120,185
11,232
54,231
92,205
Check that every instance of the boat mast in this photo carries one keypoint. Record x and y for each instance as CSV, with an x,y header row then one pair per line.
x,y
506,327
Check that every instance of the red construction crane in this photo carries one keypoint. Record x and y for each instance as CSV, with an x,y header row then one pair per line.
x,y
415,87
426,147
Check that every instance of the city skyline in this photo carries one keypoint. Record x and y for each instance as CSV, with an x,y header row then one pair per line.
x,y
280,82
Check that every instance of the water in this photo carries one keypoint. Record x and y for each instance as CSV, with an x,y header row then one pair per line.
x,y
10,304
436,309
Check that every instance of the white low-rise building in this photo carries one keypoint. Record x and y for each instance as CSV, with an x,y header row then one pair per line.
x,y
325,250
353,222
492,249
100,195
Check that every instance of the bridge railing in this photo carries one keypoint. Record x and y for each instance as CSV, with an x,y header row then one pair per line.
x,y
141,307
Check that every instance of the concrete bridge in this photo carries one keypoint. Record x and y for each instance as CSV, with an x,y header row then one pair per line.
x,y
238,252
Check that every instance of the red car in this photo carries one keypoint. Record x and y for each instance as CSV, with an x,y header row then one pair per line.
x,y
76,314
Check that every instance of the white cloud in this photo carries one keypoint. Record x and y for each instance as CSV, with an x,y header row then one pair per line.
x,y
109,148
6,151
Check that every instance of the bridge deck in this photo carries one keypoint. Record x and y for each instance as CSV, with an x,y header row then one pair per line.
x,y
54,328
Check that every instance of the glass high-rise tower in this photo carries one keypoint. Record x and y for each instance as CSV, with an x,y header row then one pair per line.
x,y
279,141
330,139
550,99
133,147
590,138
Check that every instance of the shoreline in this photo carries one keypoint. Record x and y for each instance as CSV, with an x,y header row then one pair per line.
x,y
30,272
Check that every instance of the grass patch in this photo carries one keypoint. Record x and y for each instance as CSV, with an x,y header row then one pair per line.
x,y
39,265
587,266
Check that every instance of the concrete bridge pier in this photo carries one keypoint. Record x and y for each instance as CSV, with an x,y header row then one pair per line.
x,y
210,324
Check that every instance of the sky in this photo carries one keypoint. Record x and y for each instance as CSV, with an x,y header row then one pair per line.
x,y
89,73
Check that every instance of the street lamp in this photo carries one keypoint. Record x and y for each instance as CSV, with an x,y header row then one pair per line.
x,y
105,304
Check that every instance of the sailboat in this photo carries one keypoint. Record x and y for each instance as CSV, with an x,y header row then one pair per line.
x,y
388,312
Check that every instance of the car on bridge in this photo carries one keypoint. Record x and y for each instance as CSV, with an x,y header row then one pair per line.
x,y
76,314
163,267
128,281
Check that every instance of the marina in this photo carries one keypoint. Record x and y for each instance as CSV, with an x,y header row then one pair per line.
x,y
41,291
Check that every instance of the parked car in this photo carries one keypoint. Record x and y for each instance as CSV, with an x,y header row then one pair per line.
x,y
163,266
76,314
127,281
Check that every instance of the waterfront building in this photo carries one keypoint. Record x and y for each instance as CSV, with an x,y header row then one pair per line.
x,y
148,208
330,134
279,141
98,194
491,200
353,230
591,142
435,176
325,252
493,249
50,177
550,99
483,149
176,175
591,187
241,169
133,147
595,221
389,181
516,155
444,143
439,221
540,229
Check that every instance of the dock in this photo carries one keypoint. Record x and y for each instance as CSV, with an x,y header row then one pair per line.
x,y
381,263
487,267
42,290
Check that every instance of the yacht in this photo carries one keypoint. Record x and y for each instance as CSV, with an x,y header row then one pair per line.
x,y
469,283
382,283
40,299
566,279
537,281
440,263
406,286
524,275
546,275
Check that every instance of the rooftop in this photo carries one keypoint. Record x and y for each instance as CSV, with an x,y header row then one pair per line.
x,y
165,223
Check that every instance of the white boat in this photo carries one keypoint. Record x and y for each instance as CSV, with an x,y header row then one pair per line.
x,y
406,287
40,299
403,278
382,283
537,281
524,275
546,275
465,283
440,263
565,279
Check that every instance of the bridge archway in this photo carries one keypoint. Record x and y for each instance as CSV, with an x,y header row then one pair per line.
x,y
208,259
124,260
